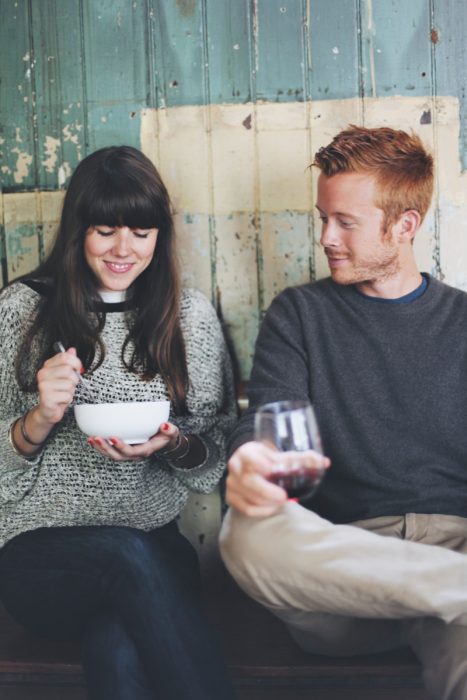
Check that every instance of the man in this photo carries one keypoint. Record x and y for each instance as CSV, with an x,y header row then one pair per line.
x,y
376,558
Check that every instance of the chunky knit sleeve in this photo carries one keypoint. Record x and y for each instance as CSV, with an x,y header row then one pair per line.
x,y
210,400
17,304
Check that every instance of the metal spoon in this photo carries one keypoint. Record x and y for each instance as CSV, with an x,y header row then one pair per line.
x,y
59,347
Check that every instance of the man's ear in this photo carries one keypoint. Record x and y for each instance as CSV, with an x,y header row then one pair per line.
x,y
408,225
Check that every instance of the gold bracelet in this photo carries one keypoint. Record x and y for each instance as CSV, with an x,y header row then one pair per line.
x,y
24,433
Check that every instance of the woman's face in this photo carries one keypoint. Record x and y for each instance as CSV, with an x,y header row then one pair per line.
x,y
118,255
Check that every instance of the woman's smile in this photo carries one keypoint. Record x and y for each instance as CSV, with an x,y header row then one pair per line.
x,y
117,255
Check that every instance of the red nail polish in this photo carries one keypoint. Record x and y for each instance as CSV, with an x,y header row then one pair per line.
x,y
90,441
98,441
112,441
164,426
82,370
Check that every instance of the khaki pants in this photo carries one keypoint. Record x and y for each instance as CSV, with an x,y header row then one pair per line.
x,y
361,588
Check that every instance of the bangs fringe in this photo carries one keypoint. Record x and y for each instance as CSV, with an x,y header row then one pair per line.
x,y
119,204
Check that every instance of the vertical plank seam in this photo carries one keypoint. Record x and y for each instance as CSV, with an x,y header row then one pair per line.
x,y
35,136
84,81
253,30
208,130
152,72
361,80
3,242
434,96
306,38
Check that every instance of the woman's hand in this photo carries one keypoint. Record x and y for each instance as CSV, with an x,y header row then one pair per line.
x,y
118,450
56,381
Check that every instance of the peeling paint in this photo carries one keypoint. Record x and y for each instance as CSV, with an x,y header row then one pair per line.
x,y
51,147
23,162
68,135
64,173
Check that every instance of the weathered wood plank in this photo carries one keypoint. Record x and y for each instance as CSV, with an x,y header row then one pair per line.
x,y
396,53
334,48
179,51
116,71
279,51
229,59
17,65
448,36
61,121
22,217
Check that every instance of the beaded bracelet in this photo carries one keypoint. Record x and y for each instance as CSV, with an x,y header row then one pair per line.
x,y
24,433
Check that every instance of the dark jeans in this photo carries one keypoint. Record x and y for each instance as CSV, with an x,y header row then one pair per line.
x,y
133,598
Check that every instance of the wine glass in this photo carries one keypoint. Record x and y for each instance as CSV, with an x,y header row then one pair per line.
x,y
291,427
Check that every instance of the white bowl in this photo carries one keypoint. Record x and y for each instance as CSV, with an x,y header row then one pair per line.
x,y
132,422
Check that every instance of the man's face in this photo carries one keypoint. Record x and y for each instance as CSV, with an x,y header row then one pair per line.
x,y
358,249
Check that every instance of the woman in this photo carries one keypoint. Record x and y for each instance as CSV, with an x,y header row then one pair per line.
x,y
87,527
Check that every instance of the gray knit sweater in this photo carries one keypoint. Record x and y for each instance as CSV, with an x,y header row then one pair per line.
x,y
69,483
389,385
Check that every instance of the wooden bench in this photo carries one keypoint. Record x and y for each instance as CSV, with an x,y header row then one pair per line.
x,y
264,661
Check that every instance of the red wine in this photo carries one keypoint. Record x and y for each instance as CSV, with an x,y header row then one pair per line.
x,y
299,482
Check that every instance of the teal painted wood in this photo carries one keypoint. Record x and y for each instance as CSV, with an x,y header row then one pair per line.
x,y
335,49
229,56
115,61
17,144
396,52
76,73
448,40
180,54
60,113
279,53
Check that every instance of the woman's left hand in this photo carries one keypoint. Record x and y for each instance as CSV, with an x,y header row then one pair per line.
x,y
118,450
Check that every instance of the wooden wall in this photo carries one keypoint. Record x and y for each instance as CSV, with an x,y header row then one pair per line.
x,y
230,98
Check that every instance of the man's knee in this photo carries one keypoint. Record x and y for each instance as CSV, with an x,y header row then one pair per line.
x,y
248,550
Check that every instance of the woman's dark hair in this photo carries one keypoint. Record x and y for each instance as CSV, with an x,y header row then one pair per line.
x,y
115,186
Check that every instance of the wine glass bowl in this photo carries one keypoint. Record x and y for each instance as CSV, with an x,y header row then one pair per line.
x,y
290,427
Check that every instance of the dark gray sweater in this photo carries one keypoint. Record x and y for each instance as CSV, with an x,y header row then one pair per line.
x,y
389,386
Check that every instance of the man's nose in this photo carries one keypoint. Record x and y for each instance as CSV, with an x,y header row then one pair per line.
x,y
329,235
122,245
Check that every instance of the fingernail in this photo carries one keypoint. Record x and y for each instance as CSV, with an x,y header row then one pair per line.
x,y
82,370
112,441
164,426
90,441
98,441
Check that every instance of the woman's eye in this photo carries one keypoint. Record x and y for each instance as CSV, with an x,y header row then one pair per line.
x,y
141,234
103,232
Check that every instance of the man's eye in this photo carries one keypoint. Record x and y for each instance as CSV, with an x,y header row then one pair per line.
x,y
346,224
324,219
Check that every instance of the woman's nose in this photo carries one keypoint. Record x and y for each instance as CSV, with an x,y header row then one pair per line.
x,y
122,244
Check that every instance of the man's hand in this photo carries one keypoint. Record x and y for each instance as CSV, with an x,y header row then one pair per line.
x,y
248,488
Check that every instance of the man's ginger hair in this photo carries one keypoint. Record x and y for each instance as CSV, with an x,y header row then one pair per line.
x,y
402,167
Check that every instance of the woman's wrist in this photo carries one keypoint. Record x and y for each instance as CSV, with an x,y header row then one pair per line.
x,y
179,449
27,434
190,453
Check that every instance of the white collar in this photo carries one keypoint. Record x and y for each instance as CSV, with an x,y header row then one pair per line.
x,y
112,297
